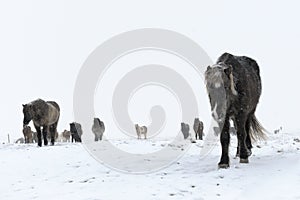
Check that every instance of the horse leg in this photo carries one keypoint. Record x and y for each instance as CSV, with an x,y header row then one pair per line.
x,y
96,137
225,140
101,135
248,138
201,135
52,132
241,134
25,137
30,138
79,138
39,135
45,130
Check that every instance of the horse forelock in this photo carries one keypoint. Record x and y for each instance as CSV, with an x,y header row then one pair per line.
x,y
214,77
99,121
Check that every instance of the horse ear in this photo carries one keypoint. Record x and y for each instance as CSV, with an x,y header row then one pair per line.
x,y
208,68
23,105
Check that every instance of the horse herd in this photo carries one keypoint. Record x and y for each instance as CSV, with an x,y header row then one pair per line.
x,y
98,128
72,135
233,85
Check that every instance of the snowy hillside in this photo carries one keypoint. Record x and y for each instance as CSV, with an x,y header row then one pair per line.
x,y
67,171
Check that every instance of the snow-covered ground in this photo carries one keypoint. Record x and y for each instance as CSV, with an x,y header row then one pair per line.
x,y
68,171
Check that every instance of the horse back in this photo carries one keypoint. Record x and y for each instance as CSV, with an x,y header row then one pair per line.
x,y
246,74
53,103
240,62
53,111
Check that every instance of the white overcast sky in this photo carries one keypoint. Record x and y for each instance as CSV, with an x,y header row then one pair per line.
x,y
44,43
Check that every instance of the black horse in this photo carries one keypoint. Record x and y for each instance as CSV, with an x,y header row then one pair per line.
x,y
234,89
43,114
76,131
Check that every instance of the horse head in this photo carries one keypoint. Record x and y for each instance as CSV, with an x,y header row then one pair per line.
x,y
27,114
95,120
182,125
137,127
185,127
220,87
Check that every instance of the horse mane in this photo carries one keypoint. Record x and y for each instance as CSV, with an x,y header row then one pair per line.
x,y
53,103
226,63
98,120
228,58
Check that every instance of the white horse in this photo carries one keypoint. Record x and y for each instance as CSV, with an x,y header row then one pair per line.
x,y
141,130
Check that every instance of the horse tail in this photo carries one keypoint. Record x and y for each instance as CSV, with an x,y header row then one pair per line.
x,y
257,131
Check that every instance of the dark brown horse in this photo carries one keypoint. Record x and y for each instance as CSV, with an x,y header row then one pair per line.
x,y
198,129
44,114
28,134
234,89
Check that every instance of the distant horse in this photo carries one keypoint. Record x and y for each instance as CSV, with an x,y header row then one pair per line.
x,y
198,129
43,114
141,130
20,141
185,129
66,136
76,131
98,129
27,134
234,87
278,130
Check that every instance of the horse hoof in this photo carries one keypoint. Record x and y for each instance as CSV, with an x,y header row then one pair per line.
x,y
244,160
223,166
